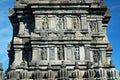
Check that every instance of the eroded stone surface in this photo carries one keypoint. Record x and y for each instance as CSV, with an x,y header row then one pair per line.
x,y
60,40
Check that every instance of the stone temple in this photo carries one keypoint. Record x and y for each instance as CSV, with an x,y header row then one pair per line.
x,y
59,40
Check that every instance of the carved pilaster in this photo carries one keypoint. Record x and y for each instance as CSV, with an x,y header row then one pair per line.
x,y
82,53
87,53
99,23
103,57
84,22
60,53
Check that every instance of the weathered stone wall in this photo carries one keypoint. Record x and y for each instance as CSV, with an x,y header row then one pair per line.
x,y
60,40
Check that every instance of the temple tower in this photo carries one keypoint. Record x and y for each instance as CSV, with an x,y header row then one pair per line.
x,y
60,40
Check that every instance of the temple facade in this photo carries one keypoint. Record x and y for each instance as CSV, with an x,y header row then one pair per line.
x,y
60,40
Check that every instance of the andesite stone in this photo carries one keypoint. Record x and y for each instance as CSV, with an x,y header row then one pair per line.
x,y
59,40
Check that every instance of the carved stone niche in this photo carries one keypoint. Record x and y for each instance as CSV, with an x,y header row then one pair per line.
x,y
93,26
76,23
42,22
60,22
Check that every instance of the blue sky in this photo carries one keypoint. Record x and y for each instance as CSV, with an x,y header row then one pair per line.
x,y
113,30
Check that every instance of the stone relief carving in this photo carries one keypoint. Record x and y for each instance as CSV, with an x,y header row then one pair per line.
x,y
52,22
93,26
76,23
60,22
43,54
96,55
73,53
45,23
76,53
61,55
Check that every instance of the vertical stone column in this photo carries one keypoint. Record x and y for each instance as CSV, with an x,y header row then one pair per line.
x,y
65,51
69,52
87,53
38,22
91,56
18,57
56,53
48,55
84,22
69,22
99,21
103,57
21,28
40,53
100,60
82,53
